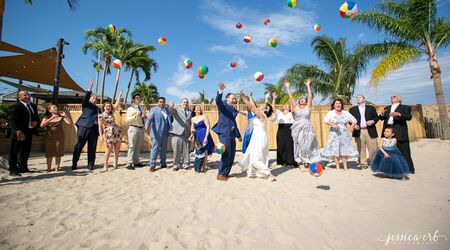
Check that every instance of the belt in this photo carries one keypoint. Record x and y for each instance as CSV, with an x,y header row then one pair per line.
x,y
364,128
136,126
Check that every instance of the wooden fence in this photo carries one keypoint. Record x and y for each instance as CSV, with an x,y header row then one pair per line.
x,y
416,127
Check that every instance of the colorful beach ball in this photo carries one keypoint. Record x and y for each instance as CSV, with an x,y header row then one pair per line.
x,y
315,169
117,64
266,21
247,39
292,3
258,76
202,70
97,66
187,63
348,9
239,25
316,27
233,64
273,43
162,40
111,28
219,148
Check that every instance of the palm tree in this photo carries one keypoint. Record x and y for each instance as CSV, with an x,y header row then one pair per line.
x,y
202,98
140,62
415,30
149,92
343,68
283,97
129,52
101,40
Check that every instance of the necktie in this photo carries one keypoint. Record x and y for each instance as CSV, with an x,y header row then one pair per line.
x,y
186,113
30,109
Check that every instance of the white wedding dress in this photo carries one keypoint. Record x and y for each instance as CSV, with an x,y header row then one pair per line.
x,y
257,155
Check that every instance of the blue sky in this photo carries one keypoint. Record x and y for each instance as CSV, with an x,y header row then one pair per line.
x,y
205,32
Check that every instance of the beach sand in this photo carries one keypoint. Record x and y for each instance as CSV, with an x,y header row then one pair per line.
x,y
125,209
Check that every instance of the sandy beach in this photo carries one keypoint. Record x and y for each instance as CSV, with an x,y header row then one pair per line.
x,y
124,209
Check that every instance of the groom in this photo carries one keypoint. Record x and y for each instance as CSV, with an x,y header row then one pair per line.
x,y
227,130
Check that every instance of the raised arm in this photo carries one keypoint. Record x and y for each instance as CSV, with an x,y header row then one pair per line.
x,y
252,106
219,101
274,99
117,102
291,97
308,89
88,94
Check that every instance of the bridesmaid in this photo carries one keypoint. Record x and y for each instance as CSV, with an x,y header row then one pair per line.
x,y
285,144
306,148
339,145
54,134
110,131
201,131
249,130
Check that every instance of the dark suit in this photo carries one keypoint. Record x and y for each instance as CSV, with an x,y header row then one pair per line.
x,y
366,136
227,130
87,126
20,150
401,130
370,114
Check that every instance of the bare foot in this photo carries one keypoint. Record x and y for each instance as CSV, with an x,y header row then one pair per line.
x,y
271,178
105,169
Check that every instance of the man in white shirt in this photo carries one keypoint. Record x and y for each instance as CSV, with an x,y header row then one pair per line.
x,y
136,116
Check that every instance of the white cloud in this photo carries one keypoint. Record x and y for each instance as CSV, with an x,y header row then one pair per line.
x,y
288,26
181,93
182,77
412,82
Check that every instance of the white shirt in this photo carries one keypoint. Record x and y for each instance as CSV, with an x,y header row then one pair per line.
x,y
164,113
284,118
391,118
362,112
30,113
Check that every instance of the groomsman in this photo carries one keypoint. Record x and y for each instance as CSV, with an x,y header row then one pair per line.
x,y
396,115
365,131
180,132
87,131
159,122
24,120
136,116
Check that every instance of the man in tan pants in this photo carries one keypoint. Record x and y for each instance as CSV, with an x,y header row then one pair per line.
x,y
365,131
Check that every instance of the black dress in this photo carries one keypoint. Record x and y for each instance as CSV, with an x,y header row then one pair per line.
x,y
285,143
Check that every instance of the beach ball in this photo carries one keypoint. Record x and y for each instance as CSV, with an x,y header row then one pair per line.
x,y
201,76
117,64
247,38
258,76
187,63
202,70
239,25
162,40
315,169
233,64
348,9
266,21
292,3
219,148
111,28
316,27
97,66
273,43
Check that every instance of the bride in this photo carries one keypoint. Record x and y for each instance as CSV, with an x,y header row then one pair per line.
x,y
256,156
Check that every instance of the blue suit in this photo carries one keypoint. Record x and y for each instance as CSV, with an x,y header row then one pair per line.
x,y
87,126
159,132
227,130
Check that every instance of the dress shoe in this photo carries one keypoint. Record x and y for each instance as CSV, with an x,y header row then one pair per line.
x,y
221,178
138,165
130,167
152,169
25,171
14,174
90,167
164,166
175,168
364,166
74,167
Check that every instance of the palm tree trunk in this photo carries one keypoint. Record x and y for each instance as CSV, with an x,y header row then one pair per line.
x,y
440,98
105,69
2,10
129,85
117,84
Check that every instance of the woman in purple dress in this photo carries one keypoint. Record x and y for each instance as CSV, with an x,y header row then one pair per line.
x,y
201,131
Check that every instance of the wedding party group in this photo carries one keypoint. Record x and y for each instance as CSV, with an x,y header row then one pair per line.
x,y
297,144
